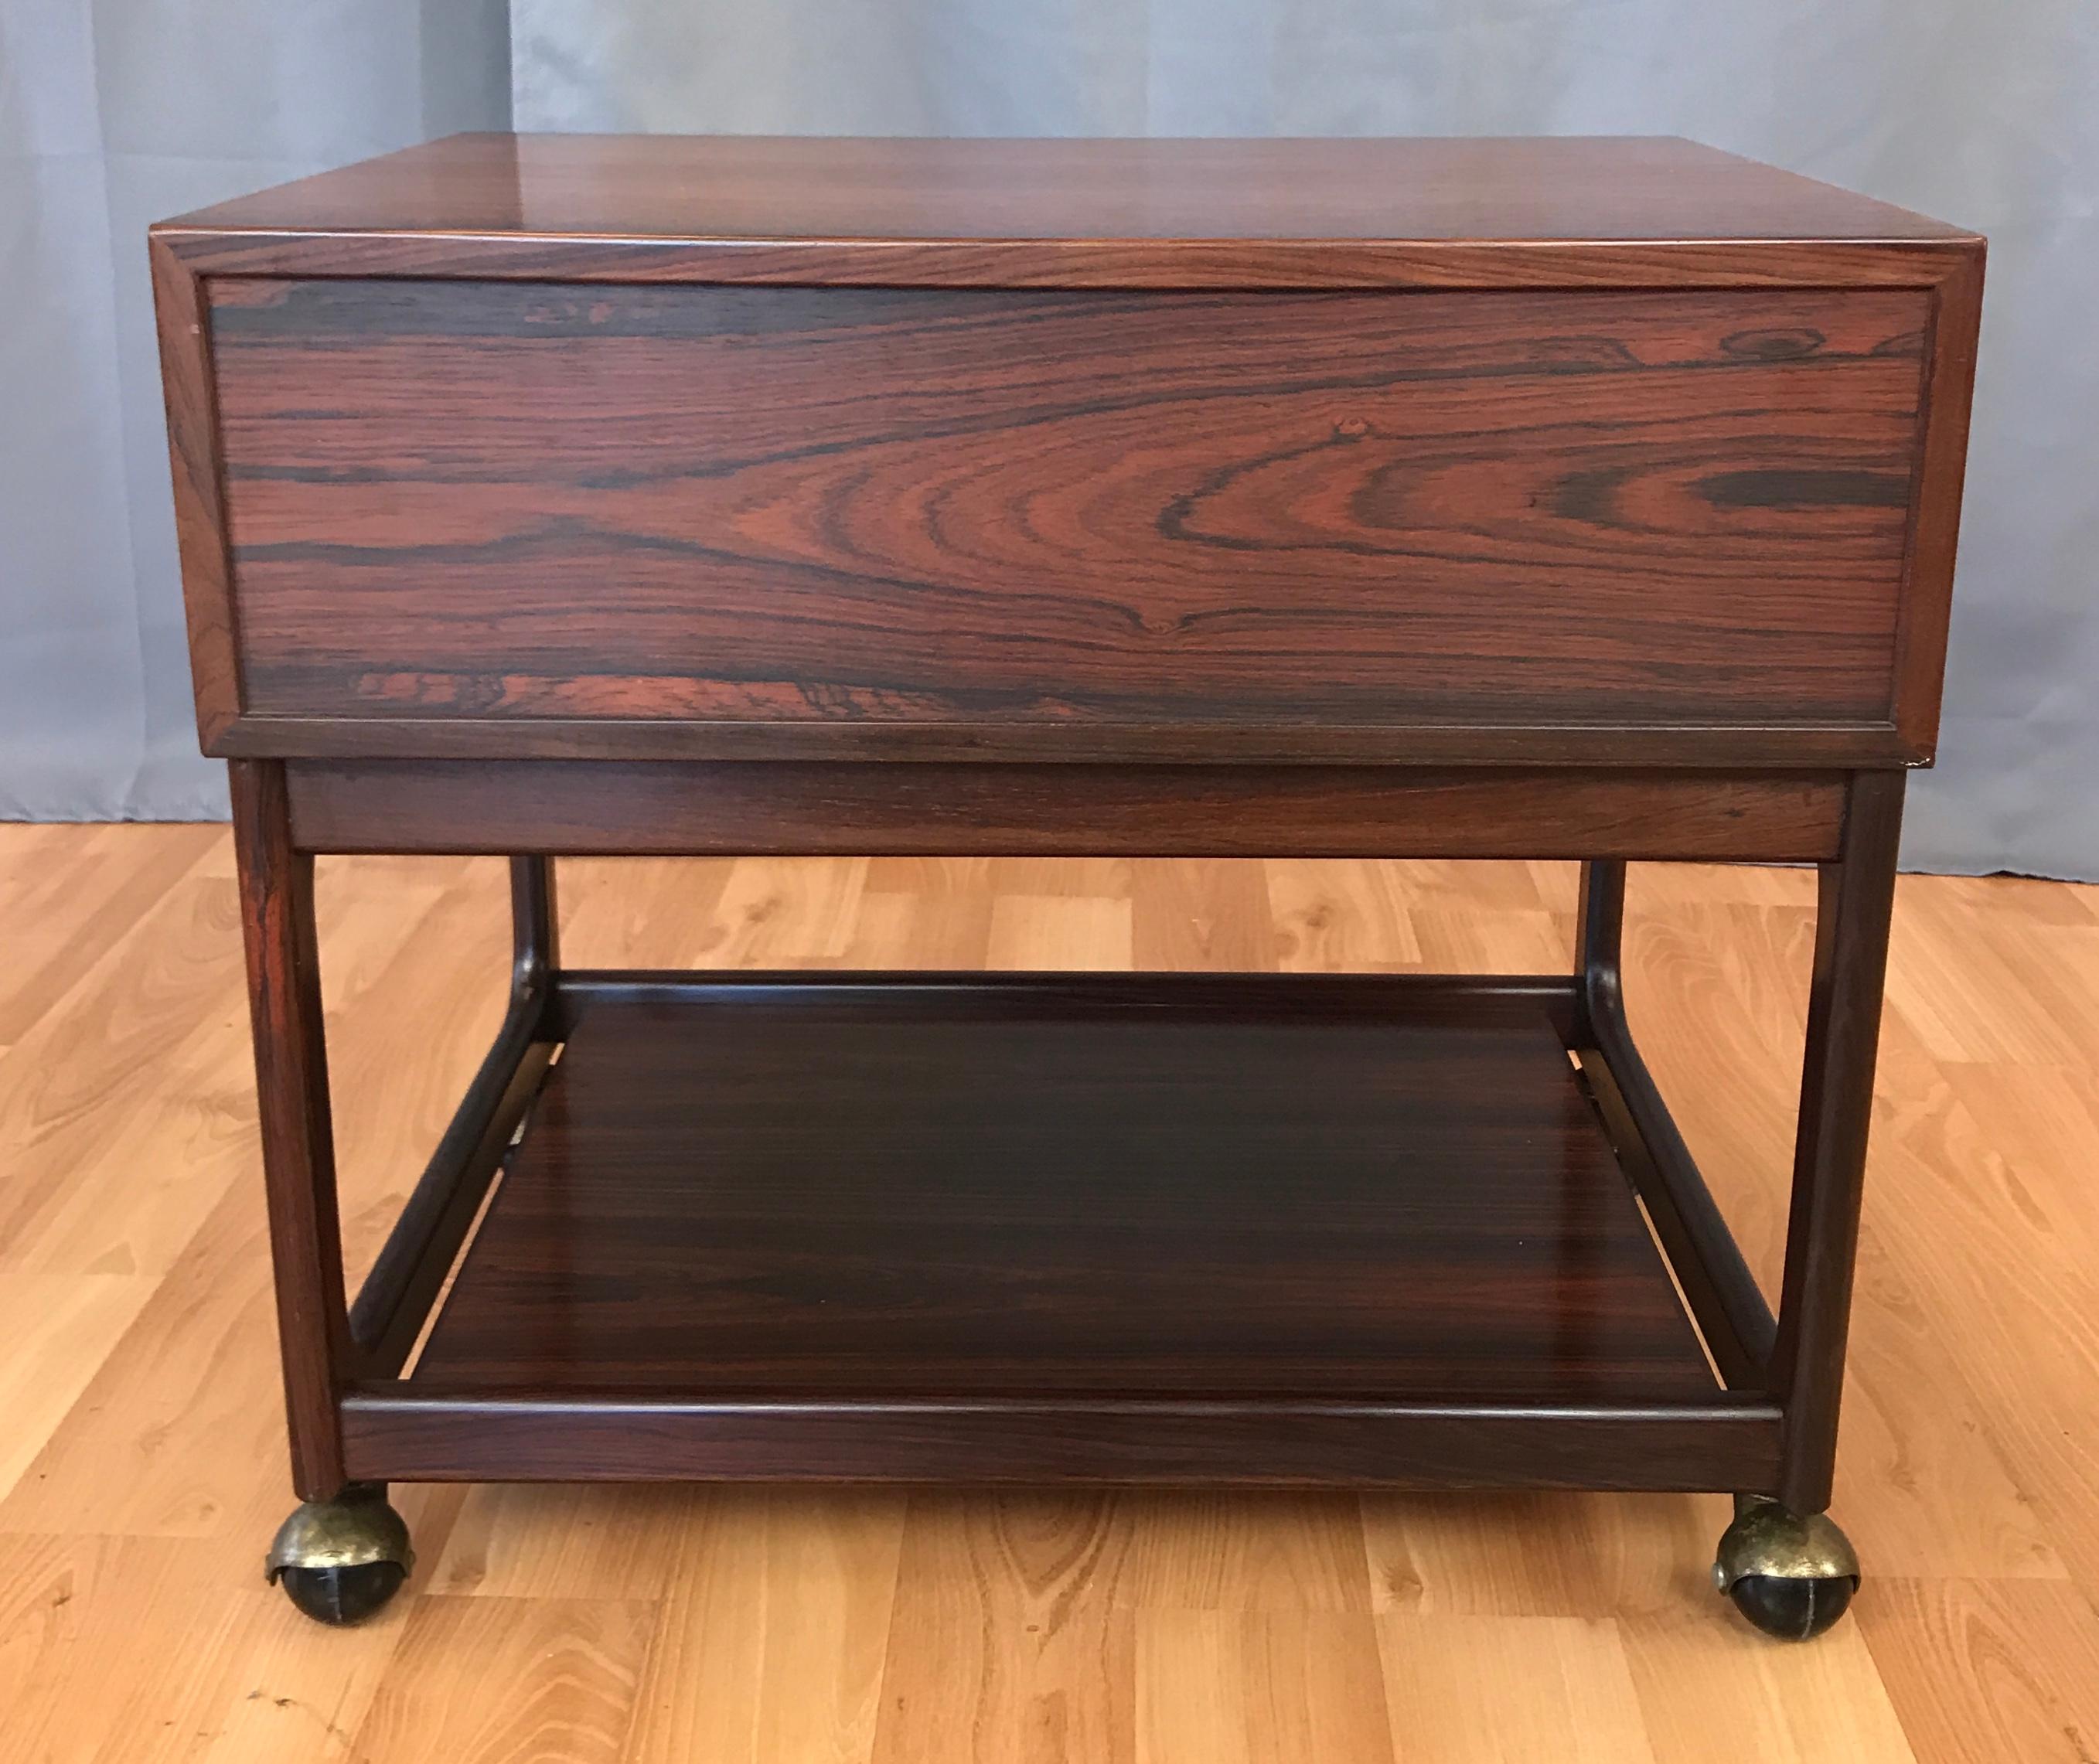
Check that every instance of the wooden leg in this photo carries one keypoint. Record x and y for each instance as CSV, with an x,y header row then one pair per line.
x,y
298,1138
1600,927
1857,898
535,928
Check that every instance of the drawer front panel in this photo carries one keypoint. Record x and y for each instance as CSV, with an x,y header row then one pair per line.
x,y
510,502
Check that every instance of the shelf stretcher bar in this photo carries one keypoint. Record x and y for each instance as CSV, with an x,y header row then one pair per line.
x,y
1725,1301
397,1431
396,1299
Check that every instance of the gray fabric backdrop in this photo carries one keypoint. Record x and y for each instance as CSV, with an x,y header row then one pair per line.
x,y
113,113
113,110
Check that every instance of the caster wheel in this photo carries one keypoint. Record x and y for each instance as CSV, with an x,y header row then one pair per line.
x,y
342,1595
1792,1610
339,1561
1792,1576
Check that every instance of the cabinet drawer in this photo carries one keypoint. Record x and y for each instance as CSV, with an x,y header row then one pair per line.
x,y
507,503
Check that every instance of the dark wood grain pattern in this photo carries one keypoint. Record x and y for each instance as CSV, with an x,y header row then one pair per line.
x,y
798,1193
823,596
1756,747
186,384
1180,265
1957,320
298,1134
500,502
1855,906
393,1431
1363,498
578,807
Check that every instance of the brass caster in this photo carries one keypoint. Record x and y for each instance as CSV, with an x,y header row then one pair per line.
x,y
1792,1576
339,1561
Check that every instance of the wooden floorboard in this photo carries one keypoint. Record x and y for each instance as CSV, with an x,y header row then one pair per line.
x,y
142,1465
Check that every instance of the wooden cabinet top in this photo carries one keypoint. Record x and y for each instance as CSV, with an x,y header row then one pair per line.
x,y
1302,213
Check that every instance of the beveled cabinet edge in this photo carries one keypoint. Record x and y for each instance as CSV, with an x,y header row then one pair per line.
x,y
1926,602
1204,265
202,543
1949,269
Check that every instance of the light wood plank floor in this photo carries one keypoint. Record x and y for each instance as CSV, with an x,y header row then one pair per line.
x,y
141,1464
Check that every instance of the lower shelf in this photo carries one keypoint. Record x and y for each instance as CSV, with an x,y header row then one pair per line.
x,y
1036,1191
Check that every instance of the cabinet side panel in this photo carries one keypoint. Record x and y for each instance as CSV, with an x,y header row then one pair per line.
x,y
183,316
1927,604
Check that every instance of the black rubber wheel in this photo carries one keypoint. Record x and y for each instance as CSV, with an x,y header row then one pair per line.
x,y
1791,1610
342,1595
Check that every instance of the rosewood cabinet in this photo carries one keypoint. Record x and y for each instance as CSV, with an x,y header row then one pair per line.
x,y
1588,499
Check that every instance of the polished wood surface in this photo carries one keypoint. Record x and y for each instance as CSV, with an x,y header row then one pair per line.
x,y
1747,573
393,1433
506,501
295,1110
1557,452
1089,1194
932,810
1853,922
188,386
726,186
1176,1229
142,1456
